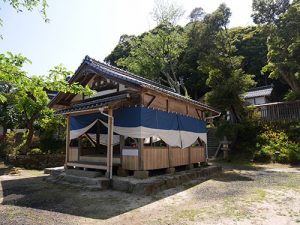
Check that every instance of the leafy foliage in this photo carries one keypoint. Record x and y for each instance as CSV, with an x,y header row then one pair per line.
x,y
268,11
227,80
29,97
156,55
272,140
284,48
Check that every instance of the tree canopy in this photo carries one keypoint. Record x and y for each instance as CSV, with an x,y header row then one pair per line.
x,y
27,95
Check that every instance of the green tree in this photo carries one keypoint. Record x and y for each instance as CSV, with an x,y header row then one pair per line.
x,y
251,43
227,79
30,95
122,50
284,48
156,55
268,11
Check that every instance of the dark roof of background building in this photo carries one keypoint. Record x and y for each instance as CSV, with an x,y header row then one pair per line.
x,y
259,92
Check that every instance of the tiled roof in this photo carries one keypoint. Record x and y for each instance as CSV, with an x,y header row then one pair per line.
x,y
93,104
118,74
140,81
259,91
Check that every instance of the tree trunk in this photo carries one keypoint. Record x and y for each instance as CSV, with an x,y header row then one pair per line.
x,y
293,82
29,136
236,117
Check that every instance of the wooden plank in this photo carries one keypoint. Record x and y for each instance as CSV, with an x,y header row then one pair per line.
x,y
90,166
177,106
155,158
73,154
179,157
130,162
198,154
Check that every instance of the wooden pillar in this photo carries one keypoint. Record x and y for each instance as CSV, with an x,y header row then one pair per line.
x,y
67,139
98,136
79,147
110,143
122,143
169,148
141,153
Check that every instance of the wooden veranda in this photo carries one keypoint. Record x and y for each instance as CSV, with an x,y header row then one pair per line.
x,y
279,111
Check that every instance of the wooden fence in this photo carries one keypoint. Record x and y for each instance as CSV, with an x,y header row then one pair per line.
x,y
279,111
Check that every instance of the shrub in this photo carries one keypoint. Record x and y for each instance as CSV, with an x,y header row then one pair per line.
x,y
272,140
251,140
35,151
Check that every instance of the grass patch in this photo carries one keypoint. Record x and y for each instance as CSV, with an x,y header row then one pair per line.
x,y
189,214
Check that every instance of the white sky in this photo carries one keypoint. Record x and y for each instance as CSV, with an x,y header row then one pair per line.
x,y
91,27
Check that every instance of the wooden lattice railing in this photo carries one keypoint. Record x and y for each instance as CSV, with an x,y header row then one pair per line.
x,y
279,111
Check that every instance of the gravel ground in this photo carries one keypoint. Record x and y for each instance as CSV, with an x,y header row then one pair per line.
x,y
261,194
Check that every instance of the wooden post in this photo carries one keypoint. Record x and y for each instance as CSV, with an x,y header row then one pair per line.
x,y
169,148
98,136
67,139
110,143
141,153
79,147
122,143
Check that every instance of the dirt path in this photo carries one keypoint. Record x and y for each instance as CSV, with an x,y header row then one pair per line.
x,y
267,194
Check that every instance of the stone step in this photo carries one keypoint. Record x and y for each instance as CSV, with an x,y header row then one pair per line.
x,y
54,171
100,183
153,185
83,173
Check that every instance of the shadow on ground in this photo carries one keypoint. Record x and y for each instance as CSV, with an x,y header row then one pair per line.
x,y
232,176
34,192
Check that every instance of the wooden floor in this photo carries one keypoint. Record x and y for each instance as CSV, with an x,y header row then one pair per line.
x,y
95,161
97,158
88,165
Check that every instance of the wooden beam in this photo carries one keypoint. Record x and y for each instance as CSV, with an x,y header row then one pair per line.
x,y
90,139
152,99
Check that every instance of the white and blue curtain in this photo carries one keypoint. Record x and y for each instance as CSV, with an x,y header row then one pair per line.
x,y
139,122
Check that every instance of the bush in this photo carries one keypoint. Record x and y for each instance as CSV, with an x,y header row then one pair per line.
x,y
264,155
272,140
251,140
35,151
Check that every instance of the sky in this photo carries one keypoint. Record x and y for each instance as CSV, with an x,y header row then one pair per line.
x,y
89,27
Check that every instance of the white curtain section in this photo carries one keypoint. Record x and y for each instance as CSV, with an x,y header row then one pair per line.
x,y
76,133
154,139
173,138
104,138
